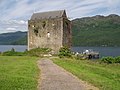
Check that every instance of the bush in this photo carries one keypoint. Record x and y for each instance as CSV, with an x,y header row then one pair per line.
x,y
0,53
117,59
13,53
10,53
39,51
107,59
64,52
111,60
33,52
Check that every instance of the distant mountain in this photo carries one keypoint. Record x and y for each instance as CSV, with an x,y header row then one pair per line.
x,y
17,38
88,31
96,31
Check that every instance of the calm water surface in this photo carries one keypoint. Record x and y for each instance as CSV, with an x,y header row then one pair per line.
x,y
19,48
104,51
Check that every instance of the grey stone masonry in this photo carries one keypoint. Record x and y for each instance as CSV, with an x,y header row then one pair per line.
x,y
49,30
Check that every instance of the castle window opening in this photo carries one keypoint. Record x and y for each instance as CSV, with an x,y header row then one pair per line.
x,y
44,24
36,31
48,34
33,26
53,24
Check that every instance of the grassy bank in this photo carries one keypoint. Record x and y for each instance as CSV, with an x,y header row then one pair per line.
x,y
18,73
104,76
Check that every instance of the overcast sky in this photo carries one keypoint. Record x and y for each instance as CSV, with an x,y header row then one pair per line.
x,y
14,14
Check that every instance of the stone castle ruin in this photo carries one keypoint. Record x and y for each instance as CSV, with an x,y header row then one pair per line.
x,y
49,30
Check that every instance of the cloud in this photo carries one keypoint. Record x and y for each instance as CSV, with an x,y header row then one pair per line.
x,y
23,22
23,9
15,13
85,8
113,6
11,29
12,25
19,22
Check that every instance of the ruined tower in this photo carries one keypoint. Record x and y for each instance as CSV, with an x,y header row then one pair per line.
x,y
49,30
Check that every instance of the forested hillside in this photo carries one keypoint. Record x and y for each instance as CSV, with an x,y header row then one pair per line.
x,y
96,31
18,38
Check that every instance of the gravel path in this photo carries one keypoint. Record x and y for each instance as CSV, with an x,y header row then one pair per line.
x,y
54,77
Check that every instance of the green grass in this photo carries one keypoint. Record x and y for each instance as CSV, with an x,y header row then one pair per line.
x,y
103,76
18,73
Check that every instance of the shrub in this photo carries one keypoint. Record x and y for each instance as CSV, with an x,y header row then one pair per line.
x,y
10,53
33,52
64,52
12,50
107,59
0,53
111,60
117,59
39,51
13,53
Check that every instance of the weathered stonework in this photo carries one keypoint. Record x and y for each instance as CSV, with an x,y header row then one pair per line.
x,y
50,31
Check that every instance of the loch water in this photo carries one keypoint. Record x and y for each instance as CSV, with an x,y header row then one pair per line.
x,y
104,51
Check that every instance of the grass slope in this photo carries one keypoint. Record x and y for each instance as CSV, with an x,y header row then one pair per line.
x,y
104,76
18,73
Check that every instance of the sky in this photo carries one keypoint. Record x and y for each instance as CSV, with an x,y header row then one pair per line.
x,y
14,14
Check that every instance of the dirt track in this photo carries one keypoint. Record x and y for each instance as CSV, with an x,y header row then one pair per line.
x,y
54,77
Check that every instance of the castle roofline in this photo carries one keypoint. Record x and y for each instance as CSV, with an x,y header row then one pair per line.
x,y
49,14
